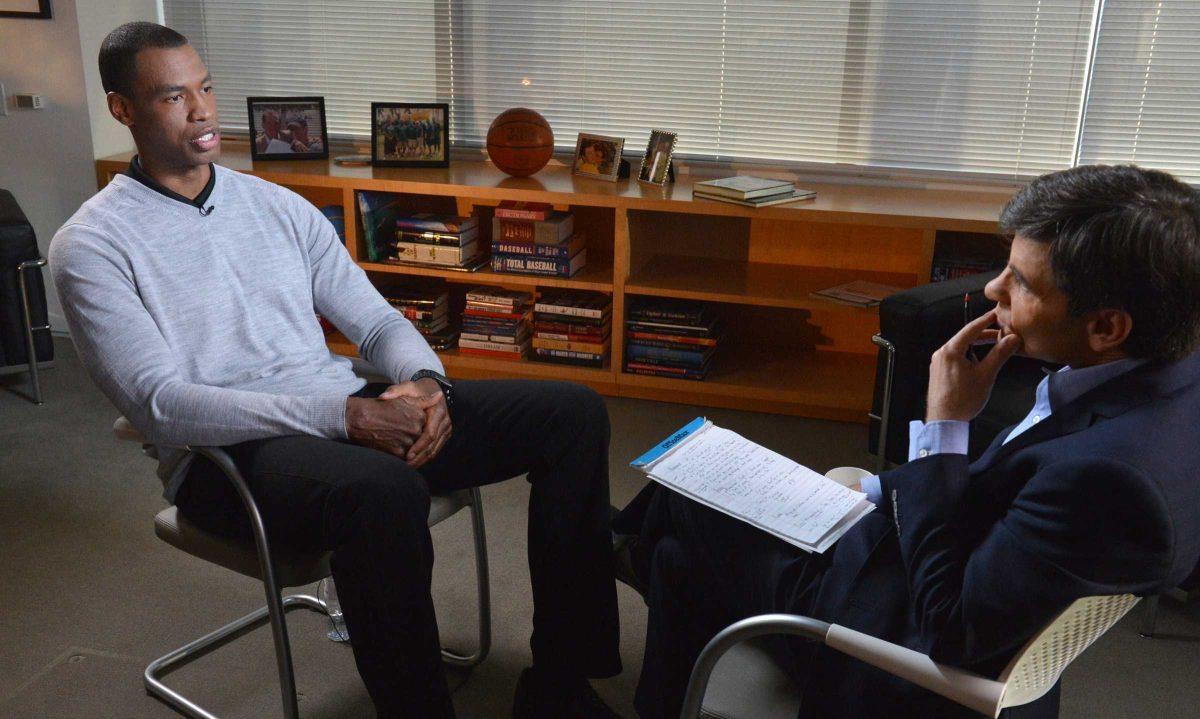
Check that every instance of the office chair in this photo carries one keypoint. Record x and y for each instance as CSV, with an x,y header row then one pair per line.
x,y
278,570
748,683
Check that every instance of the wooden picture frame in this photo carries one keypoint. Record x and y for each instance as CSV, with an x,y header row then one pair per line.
x,y
656,162
410,134
598,156
281,126
27,9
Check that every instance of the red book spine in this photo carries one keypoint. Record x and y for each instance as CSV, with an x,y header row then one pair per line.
x,y
510,356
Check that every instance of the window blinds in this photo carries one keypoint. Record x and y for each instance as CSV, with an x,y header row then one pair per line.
x,y
969,86
1145,88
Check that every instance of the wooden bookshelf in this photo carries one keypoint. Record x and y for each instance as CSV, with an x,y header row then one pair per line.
x,y
785,351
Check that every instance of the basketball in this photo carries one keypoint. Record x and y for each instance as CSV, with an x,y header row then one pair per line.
x,y
520,141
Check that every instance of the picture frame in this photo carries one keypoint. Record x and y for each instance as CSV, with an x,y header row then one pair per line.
x,y
28,9
656,163
597,156
410,134
287,128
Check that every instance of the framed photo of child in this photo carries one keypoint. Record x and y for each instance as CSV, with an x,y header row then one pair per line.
x,y
598,156
288,128
656,163
407,134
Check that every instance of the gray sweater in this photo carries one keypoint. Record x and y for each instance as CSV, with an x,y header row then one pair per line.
x,y
201,330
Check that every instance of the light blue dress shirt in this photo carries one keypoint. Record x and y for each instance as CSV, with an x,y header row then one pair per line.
x,y
949,436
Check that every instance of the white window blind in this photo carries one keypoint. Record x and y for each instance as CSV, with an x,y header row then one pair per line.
x,y
1145,90
969,86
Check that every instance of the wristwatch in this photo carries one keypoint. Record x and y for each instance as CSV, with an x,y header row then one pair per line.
x,y
445,384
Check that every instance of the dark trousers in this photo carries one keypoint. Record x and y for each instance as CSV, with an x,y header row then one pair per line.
x,y
705,571
371,509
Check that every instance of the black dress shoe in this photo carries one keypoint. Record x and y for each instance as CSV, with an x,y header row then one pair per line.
x,y
572,700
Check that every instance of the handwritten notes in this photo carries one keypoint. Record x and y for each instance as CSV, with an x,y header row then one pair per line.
x,y
722,469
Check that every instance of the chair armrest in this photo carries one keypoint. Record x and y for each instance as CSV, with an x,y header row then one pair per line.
x,y
224,462
971,690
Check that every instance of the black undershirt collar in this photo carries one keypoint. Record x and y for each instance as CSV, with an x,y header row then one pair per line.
x,y
136,172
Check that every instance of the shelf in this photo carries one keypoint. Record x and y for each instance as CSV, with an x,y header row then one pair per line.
x,y
478,179
751,283
460,366
592,277
827,385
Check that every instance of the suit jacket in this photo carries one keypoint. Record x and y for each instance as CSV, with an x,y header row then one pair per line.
x,y
966,561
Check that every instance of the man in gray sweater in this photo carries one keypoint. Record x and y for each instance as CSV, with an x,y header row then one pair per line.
x,y
190,291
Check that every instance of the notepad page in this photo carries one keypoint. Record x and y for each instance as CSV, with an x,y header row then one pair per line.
x,y
730,473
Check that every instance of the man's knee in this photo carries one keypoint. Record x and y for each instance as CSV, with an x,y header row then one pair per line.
x,y
581,407
396,497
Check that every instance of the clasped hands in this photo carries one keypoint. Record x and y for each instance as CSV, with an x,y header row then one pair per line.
x,y
409,420
959,384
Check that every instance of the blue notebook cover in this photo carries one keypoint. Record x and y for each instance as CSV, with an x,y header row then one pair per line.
x,y
665,446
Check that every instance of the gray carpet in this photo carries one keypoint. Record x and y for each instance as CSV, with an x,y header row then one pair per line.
x,y
89,596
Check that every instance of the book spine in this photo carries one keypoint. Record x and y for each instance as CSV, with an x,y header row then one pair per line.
x,y
569,336
512,213
654,355
513,230
409,224
415,314
481,295
674,339
535,266
593,347
652,371
656,315
495,315
578,325
582,359
490,338
511,356
554,252
434,254
662,344
513,348
586,312
459,239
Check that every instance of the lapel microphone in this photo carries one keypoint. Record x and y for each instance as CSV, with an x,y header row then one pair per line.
x,y
206,211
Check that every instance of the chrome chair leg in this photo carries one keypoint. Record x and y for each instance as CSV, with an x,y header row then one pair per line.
x,y
29,328
483,590
1149,617
159,668
885,408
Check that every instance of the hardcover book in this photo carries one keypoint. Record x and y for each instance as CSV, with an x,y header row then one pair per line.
x,y
522,264
515,210
581,359
436,254
564,250
440,238
743,187
429,222
499,296
593,305
551,231
764,201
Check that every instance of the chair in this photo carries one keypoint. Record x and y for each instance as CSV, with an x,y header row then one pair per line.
x,y
276,571
21,286
748,683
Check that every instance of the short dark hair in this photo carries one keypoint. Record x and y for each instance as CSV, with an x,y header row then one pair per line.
x,y
118,52
1120,237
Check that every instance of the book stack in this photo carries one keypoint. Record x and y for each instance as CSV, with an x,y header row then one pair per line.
x,y
428,309
496,323
444,241
670,338
572,328
750,191
530,238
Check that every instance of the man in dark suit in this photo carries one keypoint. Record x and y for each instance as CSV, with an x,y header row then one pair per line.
x,y
1095,492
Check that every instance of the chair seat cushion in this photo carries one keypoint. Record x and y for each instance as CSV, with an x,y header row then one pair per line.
x,y
292,570
748,684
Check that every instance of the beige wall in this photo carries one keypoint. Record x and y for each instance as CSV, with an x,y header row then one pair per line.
x,y
46,156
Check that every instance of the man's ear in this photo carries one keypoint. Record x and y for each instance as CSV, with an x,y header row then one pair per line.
x,y
120,108
1108,329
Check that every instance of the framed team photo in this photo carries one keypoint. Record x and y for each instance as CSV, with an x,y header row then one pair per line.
x,y
410,134
287,128
598,156
656,163
31,9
